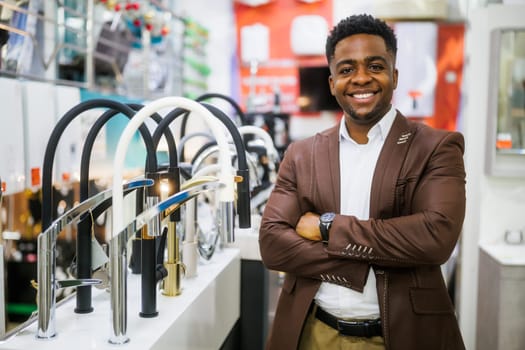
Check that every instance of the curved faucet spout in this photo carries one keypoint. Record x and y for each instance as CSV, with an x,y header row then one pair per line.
x,y
170,204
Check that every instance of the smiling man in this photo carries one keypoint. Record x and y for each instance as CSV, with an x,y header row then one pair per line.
x,y
363,214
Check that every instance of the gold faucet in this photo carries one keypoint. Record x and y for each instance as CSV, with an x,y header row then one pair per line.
x,y
171,285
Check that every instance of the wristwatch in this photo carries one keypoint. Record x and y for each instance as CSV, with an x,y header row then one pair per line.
x,y
325,221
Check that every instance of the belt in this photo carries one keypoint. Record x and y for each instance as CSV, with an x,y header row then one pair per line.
x,y
365,328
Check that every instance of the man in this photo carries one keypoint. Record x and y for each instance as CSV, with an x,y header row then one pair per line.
x,y
391,193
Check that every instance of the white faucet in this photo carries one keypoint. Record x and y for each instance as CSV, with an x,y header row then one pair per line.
x,y
118,258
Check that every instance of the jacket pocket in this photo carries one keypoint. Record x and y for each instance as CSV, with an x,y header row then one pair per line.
x,y
430,301
289,283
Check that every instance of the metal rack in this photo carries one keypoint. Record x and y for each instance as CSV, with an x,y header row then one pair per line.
x,y
67,42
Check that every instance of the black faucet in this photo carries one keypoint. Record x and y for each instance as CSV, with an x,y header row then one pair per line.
x,y
243,187
84,227
83,239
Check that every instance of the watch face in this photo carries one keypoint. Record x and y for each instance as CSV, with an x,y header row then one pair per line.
x,y
327,217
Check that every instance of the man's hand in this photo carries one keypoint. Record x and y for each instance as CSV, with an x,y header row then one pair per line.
x,y
308,226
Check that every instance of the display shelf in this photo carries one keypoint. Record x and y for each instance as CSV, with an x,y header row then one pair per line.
x,y
201,317
139,49
500,299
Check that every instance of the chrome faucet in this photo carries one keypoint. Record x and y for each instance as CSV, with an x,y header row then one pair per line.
x,y
46,263
118,251
206,247
83,260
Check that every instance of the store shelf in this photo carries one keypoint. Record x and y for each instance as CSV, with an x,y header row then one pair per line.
x,y
201,317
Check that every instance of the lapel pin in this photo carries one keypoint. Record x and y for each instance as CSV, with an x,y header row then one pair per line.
x,y
403,138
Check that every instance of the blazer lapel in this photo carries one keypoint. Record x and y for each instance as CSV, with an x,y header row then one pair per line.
x,y
389,166
327,169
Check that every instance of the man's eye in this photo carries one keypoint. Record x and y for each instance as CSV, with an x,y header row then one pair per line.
x,y
376,67
346,70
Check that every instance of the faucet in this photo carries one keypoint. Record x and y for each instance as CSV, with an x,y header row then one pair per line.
x,y
118,257
243,192
174,265
83,239
193,240
164,209
171,270
83,254
190,247
210,95
261,193
46,260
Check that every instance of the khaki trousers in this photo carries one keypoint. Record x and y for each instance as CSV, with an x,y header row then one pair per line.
x,y
319,336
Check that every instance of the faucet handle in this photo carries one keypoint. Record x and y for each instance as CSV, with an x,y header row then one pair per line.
x,y
78,282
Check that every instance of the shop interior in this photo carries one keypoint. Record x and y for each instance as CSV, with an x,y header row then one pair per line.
x,y
155,129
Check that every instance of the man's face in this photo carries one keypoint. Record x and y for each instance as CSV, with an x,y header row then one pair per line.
x,y
363,78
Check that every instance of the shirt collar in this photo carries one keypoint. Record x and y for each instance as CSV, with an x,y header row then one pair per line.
x,y
382,127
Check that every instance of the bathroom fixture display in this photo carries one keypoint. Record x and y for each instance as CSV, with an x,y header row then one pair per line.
x,y
118,254
83,240
46,259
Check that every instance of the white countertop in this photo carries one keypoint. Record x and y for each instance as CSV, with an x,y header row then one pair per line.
x,y
199,318
247,241
506,254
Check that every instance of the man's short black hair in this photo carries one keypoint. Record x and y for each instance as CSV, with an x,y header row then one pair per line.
x,y
360,24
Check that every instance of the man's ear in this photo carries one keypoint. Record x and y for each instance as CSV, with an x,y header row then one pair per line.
x,y
395,78
331,84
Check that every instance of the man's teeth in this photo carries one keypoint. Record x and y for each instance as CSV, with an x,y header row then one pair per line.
x,y
367,95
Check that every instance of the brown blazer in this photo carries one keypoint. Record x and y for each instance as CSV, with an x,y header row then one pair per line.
x,y
417,208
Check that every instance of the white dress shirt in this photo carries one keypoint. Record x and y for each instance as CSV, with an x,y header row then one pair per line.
x,y
357,163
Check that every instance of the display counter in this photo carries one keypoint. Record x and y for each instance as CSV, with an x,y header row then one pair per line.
x,y
201,317
501,301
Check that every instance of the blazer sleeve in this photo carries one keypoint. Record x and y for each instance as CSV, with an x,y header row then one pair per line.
x,y
430,206
282,249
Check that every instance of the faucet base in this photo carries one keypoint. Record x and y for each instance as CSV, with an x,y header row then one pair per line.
x,y
148,314
118,340
190,258
83,310
172,283
46,337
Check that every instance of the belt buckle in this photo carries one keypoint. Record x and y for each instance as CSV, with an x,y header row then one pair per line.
x,y
363,328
